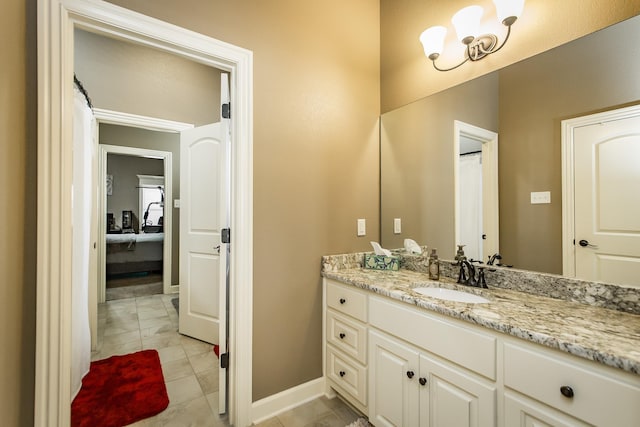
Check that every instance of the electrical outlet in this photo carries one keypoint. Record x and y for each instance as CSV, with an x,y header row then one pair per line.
x,y
176,203
397,225
362,227
540,197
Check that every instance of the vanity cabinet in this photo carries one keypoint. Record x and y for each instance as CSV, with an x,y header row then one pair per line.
x,y
411,386
405,366
346,342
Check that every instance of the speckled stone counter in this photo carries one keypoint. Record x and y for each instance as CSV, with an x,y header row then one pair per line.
x,y
611,337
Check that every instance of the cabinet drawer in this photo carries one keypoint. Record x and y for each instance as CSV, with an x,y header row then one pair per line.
x,y
597,398
464,346
347,374
520,411
347,300
348,335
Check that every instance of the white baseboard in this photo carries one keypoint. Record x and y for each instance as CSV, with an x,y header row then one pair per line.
x,y
273,405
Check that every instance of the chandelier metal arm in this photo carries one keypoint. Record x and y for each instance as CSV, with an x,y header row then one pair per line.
x,y
477,49
433,61
504,41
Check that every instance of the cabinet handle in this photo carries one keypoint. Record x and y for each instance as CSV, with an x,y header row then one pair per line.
x,y
566,391
342,373
342,335
423,381
342,300
410,374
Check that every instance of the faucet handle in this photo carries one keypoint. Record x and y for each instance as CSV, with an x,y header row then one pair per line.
x,y
482,283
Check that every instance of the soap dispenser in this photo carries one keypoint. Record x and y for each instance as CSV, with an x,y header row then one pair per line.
x,y
460,256
434,266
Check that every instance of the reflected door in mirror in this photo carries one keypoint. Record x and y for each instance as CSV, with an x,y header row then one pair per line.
x,y
607,200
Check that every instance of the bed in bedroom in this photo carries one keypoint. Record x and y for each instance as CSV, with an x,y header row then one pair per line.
x,y
134,253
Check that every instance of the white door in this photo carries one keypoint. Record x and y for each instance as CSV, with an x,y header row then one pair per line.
x,y
476,197
607,201
204,214
202,219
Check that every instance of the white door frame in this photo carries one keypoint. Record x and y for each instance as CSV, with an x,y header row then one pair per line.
x,y
119,118
490,202
568,178
56,22
166,157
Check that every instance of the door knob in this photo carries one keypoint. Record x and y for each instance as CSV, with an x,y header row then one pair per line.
x,y
217,248
423,381
410,374
342,373
342,335
585,243
342,300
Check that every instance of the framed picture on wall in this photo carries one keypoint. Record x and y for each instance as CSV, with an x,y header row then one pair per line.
x,y
109,185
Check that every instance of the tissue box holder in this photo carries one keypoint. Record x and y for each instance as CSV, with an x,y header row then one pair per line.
x,y
381,262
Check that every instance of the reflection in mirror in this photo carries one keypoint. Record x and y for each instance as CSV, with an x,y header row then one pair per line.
x,y
525,104
476,176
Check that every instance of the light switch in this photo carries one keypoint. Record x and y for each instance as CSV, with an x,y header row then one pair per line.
x,y
397,225
362,227
176,203
539,197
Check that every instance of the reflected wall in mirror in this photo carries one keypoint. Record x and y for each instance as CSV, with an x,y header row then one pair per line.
x,y
525,104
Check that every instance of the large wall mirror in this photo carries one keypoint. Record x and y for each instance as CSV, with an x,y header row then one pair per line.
x,y
524,104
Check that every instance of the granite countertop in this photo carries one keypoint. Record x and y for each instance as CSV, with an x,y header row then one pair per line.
x,y
603,335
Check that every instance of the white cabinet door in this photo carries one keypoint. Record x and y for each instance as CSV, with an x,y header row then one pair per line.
x,y
393,385
452,397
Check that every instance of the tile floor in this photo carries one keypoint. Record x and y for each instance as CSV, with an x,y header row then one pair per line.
x,y
189,367
135,286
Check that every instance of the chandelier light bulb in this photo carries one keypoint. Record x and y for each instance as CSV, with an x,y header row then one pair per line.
x,y
432,40
508,10
467,23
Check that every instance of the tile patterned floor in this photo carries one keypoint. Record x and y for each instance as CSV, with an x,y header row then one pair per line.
x,y
189,367
321,412
129,287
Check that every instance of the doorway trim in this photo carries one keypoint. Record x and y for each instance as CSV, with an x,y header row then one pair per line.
x,y
56,22
568,177
166,157
490,201
120,118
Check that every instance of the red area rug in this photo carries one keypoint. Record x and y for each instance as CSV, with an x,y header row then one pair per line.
x,y
120,390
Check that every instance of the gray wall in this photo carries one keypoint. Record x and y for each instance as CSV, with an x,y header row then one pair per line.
x,y
133,79
163,141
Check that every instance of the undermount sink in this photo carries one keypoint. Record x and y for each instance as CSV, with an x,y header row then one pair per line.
x,y
451,295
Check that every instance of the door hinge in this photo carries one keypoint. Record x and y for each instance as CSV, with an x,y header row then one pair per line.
x,y
226,235
226,110
224,360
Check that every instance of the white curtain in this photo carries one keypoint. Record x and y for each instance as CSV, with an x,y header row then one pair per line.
x,y
470,190
83,135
